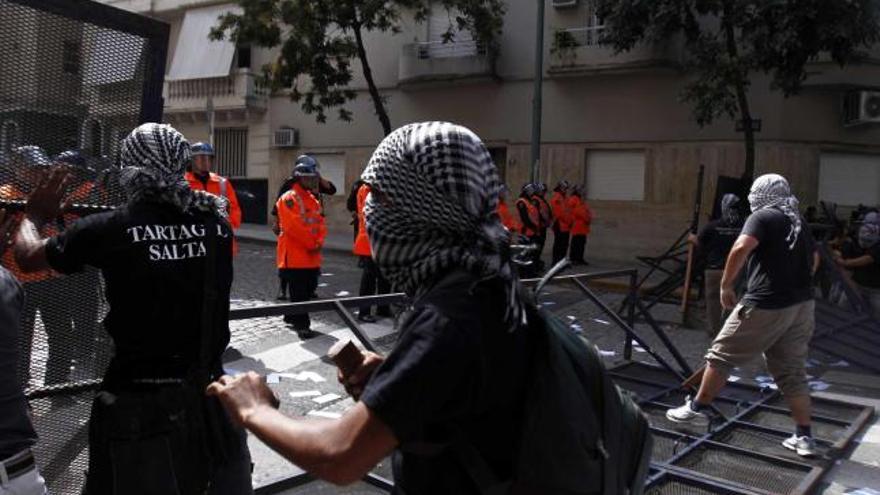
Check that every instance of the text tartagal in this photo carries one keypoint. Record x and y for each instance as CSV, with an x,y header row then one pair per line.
x,y
173,242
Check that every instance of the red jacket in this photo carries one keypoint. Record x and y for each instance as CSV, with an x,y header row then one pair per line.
x,y
507,218
581,215
302,229
221,186
561,211
530,214
362,241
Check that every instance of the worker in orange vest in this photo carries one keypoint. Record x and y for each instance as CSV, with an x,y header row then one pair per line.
x,y
561,221
507,218
545,213
43,288
201,178
372,281
530,226
582,216
301,236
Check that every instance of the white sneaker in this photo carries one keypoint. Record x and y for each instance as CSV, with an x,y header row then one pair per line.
x,y
804,446
685,414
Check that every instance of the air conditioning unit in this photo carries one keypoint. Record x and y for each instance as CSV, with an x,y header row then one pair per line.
x,y
562,4
861,107
285,138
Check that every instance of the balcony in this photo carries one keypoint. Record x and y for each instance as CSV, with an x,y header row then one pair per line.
x,y
232,96
579,51
431,62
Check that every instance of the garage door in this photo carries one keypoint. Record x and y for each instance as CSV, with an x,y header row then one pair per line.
x,y
333,169
617,175
849,179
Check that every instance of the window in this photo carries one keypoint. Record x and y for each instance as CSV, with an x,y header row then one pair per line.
x,y
333,169
71,57
243,57
616,175
849,179
231,147
441,23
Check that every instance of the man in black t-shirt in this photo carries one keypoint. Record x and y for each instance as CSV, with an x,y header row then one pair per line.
x,y
775,316
714,242
151,430
866,265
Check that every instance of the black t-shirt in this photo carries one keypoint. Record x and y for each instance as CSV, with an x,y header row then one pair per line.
x,y
716,239
455,368
153,258
778,277
869,276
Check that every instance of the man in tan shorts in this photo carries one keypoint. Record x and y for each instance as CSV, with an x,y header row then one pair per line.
x,y
775,316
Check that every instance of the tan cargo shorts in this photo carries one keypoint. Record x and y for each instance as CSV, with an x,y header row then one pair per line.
x,y
781,335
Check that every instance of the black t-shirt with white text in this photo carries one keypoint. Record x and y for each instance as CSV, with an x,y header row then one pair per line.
x,y
153,258
778,277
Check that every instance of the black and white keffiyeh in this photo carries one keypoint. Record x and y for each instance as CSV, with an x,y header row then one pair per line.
x,y
730,213
773,191
153,160
433,208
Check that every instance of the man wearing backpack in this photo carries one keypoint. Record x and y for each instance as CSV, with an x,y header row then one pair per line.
x,y
453,399
775,316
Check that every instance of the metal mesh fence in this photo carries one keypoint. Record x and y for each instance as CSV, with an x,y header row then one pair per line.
x,y
74,76
743,469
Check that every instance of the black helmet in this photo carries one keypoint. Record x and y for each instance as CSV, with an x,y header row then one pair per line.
x,y
31,156
563,185
203,149
71,157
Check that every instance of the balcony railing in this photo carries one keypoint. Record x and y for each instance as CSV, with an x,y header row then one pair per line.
x,y
587,36
581,51
240,89
438,61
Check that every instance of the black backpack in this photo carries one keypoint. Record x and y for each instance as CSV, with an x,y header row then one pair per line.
x,y
581,434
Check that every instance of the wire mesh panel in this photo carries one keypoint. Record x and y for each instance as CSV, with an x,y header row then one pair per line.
x,y
75,77
744,469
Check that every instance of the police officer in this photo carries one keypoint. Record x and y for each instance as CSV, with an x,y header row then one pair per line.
x,y
300,238
530,224
582,217
201,178
167,258
561,220
325,186
372,281
507,218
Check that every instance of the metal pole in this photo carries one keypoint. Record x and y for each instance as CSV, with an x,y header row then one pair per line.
x,y
537,94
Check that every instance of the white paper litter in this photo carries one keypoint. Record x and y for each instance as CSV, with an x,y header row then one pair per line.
x,y
324,414
343,293
273,378
607,353
572,318
326,274
326,398
818,385
547,303
862,491
763,379
597,320
304,376
733,378
771,386
305,393
840,364
323,284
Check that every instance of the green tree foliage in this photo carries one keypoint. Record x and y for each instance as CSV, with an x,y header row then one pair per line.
x,y
728,41
319,39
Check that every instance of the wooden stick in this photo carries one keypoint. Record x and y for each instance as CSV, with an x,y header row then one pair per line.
x,y
685,295
694,381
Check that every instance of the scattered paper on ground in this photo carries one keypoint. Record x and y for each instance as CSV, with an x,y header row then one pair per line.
x,y
306,376
273,378
305,393
323,284
733,378
324,414
840,364
818,385
342,293
607,353
597,320
326,398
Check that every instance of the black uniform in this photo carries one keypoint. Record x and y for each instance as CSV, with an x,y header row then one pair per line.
x,y
153,258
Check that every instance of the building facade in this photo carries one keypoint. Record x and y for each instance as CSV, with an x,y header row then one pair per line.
x,y
613,122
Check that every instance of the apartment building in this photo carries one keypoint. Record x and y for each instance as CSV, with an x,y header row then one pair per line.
x,y
613,122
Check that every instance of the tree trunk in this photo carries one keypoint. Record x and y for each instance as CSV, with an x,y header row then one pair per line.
x,y
371,84
741,97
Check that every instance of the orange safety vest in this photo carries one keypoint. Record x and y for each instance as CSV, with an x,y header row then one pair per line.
x,y
10,192
561,212
581,215
533,215
220,186
362,241
302,229
507,218
544,212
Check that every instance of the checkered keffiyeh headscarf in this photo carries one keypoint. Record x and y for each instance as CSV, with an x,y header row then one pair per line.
x,y
153,160
773,191
433,208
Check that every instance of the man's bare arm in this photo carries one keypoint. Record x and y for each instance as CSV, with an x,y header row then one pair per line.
x,y
340,451
44,204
